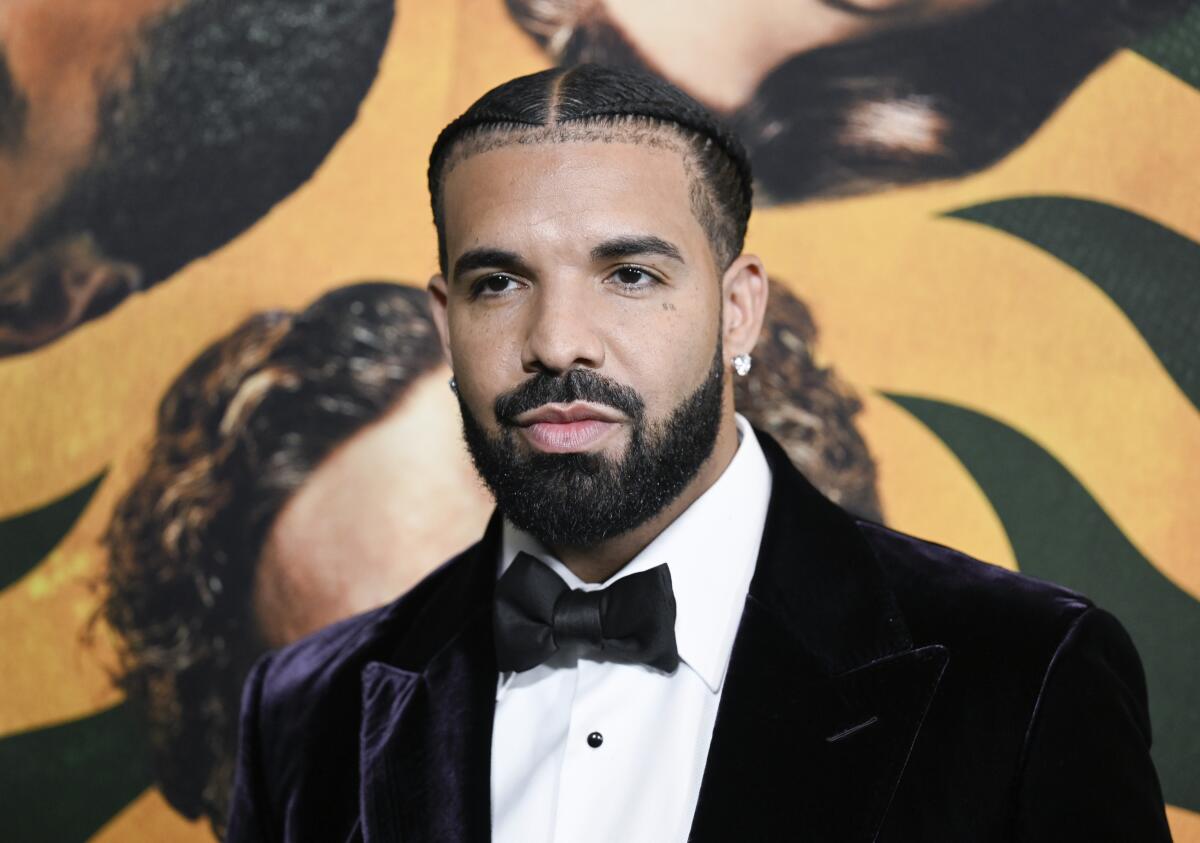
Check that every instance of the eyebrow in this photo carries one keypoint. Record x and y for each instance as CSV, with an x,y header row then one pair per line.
x,y
627,247
489,258
616,248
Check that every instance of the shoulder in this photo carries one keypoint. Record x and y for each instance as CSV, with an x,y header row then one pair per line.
x,y
1043,698
322,671
1008,635
949,597
302,705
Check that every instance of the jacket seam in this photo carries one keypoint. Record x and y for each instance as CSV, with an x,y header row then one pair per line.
x,y
261,791
925,706
1068,639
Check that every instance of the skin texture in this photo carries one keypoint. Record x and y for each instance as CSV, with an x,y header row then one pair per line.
x,y
62,56
138,135
648,321
719,52
330,554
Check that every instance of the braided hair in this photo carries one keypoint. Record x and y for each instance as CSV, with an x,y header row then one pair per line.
x,y
587,102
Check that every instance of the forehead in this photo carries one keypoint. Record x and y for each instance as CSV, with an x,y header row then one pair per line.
x,y
564,194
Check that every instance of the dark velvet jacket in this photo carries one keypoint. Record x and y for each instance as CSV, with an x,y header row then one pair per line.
x,y
881,688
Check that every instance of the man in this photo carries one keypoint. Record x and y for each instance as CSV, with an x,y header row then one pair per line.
x,y
138,135
332,484
666,633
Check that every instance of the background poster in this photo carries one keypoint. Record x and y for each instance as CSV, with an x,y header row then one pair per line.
x,y
980,218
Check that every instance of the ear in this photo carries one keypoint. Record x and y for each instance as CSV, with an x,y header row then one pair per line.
x,y
438,301
59,288
744,290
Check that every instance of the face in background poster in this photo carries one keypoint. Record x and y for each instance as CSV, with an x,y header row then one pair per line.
x,y
979,219
138,136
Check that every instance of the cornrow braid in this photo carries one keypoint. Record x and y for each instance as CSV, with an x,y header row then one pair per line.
x,y
560,103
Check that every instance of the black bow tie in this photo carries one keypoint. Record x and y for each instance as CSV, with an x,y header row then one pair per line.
x,y
536,613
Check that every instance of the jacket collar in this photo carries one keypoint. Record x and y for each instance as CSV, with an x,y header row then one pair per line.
x,y
825,694
822,702
426,731
819,580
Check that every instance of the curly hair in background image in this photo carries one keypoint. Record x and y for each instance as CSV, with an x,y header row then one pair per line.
x,y
923,93
238,432
807,408
194,548
223,110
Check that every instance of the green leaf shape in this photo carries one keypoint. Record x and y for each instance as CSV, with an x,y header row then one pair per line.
x,y
1176,47
1058,532
26,539
1149,271
62,783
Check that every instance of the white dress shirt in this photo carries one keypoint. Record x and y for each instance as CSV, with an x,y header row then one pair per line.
x,y
642,781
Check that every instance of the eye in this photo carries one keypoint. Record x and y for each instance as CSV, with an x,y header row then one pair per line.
x,y
634,278
493,285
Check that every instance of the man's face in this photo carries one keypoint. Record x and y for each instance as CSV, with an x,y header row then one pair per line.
x,y
582,315
138,135
57,59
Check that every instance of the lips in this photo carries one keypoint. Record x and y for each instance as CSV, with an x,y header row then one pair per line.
x,y
567,428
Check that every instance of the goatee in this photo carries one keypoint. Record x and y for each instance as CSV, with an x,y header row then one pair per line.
x,y
581,499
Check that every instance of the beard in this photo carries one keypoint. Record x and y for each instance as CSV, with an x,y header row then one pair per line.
x,y
581,499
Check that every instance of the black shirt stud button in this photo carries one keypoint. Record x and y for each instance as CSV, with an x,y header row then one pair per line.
x,y
595,739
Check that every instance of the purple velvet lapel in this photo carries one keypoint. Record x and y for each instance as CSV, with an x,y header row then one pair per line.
x,y
825,694
427,718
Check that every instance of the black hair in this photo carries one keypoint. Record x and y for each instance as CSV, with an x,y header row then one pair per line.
x,y
615,101
965,88
973,86
230,107
14,108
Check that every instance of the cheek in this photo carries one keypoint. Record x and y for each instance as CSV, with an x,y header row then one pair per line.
x,y
487,362
667,352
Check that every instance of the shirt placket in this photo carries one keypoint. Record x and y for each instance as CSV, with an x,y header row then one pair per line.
x,y
591,759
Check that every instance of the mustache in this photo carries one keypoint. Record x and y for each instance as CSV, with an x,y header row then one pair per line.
x,y
572,385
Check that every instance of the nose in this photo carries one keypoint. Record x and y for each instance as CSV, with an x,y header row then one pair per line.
x,y
561,334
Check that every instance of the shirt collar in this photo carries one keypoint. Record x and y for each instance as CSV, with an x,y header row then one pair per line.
x,y
710,549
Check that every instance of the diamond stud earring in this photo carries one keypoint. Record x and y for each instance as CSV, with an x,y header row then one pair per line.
x,y
741,364
454,386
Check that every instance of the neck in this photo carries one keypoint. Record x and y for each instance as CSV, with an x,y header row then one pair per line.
x,y
598,562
